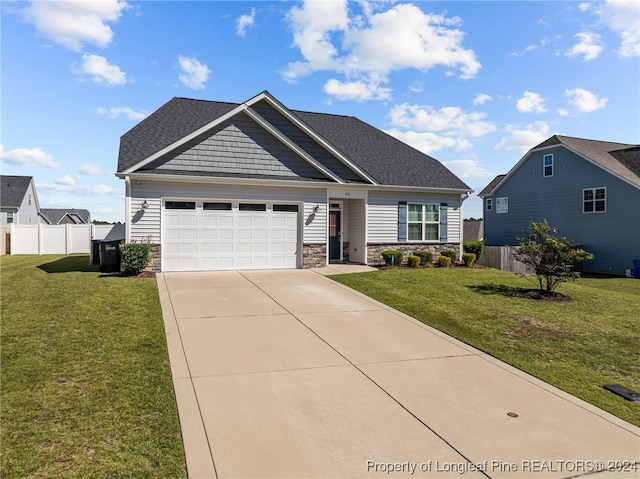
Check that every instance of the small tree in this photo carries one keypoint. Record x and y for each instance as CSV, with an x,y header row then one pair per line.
x,y
552,258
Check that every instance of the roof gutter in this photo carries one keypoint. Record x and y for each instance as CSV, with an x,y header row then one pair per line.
x,y
284,183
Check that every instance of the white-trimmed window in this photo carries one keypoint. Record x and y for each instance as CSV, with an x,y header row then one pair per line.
x,y
9,217
29,200
594,200
547,165
489,204
502,205
423,222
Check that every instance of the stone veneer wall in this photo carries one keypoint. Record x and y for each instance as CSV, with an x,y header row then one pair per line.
x,y
156,260
314,255
374,250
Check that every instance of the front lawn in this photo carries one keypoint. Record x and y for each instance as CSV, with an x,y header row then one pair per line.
x,y
86,383
577,346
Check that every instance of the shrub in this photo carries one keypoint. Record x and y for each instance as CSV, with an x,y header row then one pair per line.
x,y
469,259
474,247
449,253
552,258
444,261
392,257
413,261
426,257
134,257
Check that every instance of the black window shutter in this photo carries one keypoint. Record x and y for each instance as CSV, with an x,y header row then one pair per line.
x,y
443,222
402,221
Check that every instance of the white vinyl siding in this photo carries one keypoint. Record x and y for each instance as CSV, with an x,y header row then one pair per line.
x,y
382,214
145,224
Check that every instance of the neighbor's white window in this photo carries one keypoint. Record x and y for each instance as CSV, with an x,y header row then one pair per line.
x,y
423,222
9,217
594,200
502,205
547,161
29,199
489,204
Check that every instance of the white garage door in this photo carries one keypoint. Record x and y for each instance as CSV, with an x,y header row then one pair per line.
x,y
207,236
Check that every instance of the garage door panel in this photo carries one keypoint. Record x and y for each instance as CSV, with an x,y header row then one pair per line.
x,y
209,239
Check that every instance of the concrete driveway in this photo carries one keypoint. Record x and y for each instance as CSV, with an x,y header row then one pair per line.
x,y
287,374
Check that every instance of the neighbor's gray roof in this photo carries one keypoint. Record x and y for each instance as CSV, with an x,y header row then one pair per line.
x,y
622,159
13,189
384,158
489,188
473,230
54,215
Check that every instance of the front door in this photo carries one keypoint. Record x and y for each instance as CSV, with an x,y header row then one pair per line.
x,y
335,245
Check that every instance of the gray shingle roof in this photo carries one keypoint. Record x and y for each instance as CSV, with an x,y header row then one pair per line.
x,y
54,215
13,189
622,159
384,158
619,158
489,188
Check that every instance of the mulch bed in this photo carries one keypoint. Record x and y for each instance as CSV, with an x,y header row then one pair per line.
x,y
541,296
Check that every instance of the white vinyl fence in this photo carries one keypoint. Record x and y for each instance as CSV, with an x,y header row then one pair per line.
x,y
59,239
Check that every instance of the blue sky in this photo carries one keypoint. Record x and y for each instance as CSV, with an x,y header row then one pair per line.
x,y
473,84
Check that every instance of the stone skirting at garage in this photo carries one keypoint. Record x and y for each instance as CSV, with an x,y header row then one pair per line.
x,y
374,250
314,255
156,260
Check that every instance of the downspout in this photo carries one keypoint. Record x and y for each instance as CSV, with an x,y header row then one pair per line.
x,y
127,209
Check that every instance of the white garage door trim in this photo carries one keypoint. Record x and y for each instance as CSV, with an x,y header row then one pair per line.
x,y
215,235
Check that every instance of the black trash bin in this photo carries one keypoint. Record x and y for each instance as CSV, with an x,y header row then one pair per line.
x,y
95,252
110,256
636,268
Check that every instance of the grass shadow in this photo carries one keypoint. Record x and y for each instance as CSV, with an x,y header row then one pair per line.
x,y
68,264
499,289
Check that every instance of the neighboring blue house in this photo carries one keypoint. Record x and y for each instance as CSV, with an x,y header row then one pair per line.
x,y
588,190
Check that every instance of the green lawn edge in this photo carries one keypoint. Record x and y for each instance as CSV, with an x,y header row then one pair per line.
x,y
577,346
86,386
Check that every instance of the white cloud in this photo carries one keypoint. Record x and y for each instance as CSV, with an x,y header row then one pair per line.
x,y
523,139
584,101
194,74
115,112
66,180
417,87
467,169
91,170
429,130
589,46
530,103
73,23
245,21
60,186
366,48
451,120
101,71
623,17
356,90
481,99
29,157
584,7
428,142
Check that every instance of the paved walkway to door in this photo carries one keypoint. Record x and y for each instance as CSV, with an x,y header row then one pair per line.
x,y
287,374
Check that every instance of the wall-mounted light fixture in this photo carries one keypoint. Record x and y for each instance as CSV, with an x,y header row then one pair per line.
x,y
316,208
144,205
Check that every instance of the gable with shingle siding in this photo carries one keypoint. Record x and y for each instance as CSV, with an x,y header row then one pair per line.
x,y
237,147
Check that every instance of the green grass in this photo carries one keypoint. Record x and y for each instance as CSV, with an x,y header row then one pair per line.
x,y
577,346
86,385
